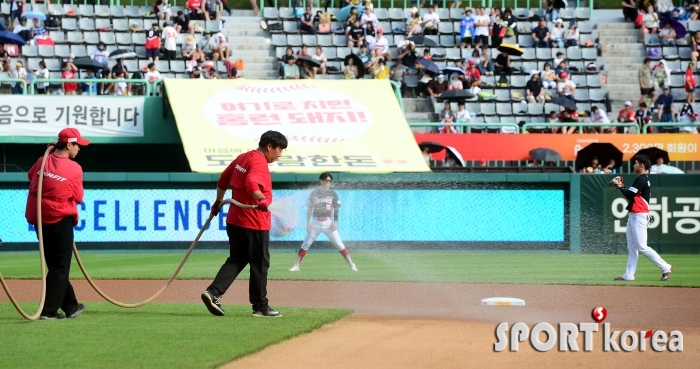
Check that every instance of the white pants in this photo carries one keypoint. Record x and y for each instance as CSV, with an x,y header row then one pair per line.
x,y
637,224
325,227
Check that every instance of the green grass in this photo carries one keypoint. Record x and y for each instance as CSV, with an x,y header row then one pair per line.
x,y
154,336
516,267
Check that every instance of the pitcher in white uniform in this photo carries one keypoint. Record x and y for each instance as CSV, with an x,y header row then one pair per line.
x,y
322,217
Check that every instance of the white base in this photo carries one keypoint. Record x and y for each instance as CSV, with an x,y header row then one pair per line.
x,y
503,301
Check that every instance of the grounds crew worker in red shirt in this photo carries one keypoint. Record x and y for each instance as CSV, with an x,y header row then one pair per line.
x,y
248,229
62,191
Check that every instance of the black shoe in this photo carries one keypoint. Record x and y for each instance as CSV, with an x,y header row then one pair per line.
x,y
267,313
78,310
52,317
212,303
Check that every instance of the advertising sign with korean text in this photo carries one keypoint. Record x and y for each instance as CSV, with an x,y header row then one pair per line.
x,y
45,116
347,126
680,147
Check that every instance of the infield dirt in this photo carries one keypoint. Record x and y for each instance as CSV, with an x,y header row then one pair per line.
x,y
426,325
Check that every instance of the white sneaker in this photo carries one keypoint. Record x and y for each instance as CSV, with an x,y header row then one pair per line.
x,y
294,268
353,267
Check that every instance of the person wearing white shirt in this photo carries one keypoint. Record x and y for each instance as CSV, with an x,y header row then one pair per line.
x,y
18,72
462,116
152,75
658,167
401,45
369,17
42,73
430,22
381,44
599,116
481,23
321,59
169,41
560,58
220,46
100,55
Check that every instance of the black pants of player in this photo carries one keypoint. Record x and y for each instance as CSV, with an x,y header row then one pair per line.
x,y
248,247
58,250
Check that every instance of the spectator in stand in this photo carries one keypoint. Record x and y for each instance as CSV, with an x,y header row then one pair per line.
x,y
695,41
356,35
319,57
658,167
306,22
572,35
100,54
447,117
153,37
510,22
549,77
369,17
69,88
152,75
282,62
643,116
370,33
381,45
16,11
205,46
462,116
253,4
426,54
534,89
503,66
565,87
350,71
611,167
562,68
409,57
380,70
690,6
303,52
437,87
20,73
665,8
553,118
306,71
568,116
664,104
351,20
430,22
455,83
89,88
475,57
413,23
667,35
169,41
220,47
661,75
23,29
559,58
189,49
183,24
497,25
552,8
466,29
556,37
650,21
481,30
291,70
42,73
475,90
627,115
600,117
646,87
365,57
540,35
211,9
197,71
402,45
586,118
472,73
629,10
121,69
690,83
397,72
105,74
689,118
196,9
38,30
484,63
162,9
120,86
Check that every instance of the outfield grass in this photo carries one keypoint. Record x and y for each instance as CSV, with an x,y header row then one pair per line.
x,y
154,336
512,268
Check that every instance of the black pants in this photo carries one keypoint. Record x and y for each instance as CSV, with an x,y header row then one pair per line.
x,y
248,247
58,249
170,54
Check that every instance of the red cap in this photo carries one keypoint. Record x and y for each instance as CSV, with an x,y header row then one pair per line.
x,y
72,135
379,30
563,74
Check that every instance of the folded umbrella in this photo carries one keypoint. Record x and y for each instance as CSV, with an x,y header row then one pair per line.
x,y
451,70
34,15
122,54
356,61
456,95
512,50
653,153
344,13
309,60
10,38
423,41
87,63
429,65
562,101
545,155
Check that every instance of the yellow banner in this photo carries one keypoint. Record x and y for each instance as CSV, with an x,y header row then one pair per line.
x,y
354,126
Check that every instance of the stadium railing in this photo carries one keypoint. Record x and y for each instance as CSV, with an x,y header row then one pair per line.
x,y
16,80
55,81
579,125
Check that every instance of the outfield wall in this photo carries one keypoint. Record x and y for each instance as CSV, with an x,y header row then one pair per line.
x,y
544,212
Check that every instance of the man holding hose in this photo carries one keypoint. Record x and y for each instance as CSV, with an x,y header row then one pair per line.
x,y
248,229
62,191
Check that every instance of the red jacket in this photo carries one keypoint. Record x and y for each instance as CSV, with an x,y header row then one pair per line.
x,y
62,190
247,174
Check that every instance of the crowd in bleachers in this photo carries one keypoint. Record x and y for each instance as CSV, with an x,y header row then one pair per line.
x,y
175,42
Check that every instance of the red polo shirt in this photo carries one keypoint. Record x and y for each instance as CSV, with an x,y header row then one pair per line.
x,y
247,174
62,190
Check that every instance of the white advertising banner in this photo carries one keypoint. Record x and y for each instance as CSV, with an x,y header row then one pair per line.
x,y
45,116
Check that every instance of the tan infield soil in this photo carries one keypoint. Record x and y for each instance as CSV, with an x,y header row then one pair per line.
x,y
428,325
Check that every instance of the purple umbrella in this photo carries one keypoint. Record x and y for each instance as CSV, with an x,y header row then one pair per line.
x,y
676,25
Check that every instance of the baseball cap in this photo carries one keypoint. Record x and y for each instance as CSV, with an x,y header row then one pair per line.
x,y
563,74
72,135
379,30
628,103
441,76
207,32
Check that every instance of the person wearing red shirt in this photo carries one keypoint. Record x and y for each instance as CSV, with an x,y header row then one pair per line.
x,y
248,229
472,73
626,115
69,88
62,191
568,116
195,9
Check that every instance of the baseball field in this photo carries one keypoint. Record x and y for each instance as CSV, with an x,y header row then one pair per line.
x,y
401,309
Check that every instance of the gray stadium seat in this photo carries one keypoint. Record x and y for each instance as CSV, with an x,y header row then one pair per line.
x,y
453,54
117,11
435,39
396,14
286,13
87,24
596,95
133,11
677,80
279,40
41,8
177,66
684,52
581,95
163,66
58,37
138,38
522,14
583,39
271,13
447,41
340,40
502,95
5,8
102,11
386,28
487,109
309,40
62,51
593,81
120,25
652,39
382,14
504,109
342,52
573,53
585,27
78,51
214,26
669,52
331,54
75,37
557,50
145,10
85,10
535,109
140,51
46,51
131,65
107,38
582,14
325,40
57,10
69,24
53,65
92,38
137,22
294,40
443,13
567,14
518,81
529,54
579,80
33,63
589,53
103,23
290,27
280,51
544,54
30,51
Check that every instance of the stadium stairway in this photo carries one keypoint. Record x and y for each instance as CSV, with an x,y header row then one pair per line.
x,y
251,44
418,110
622,57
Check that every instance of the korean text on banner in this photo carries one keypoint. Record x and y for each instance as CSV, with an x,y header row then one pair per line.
x,y
681,147
45,116
340,126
